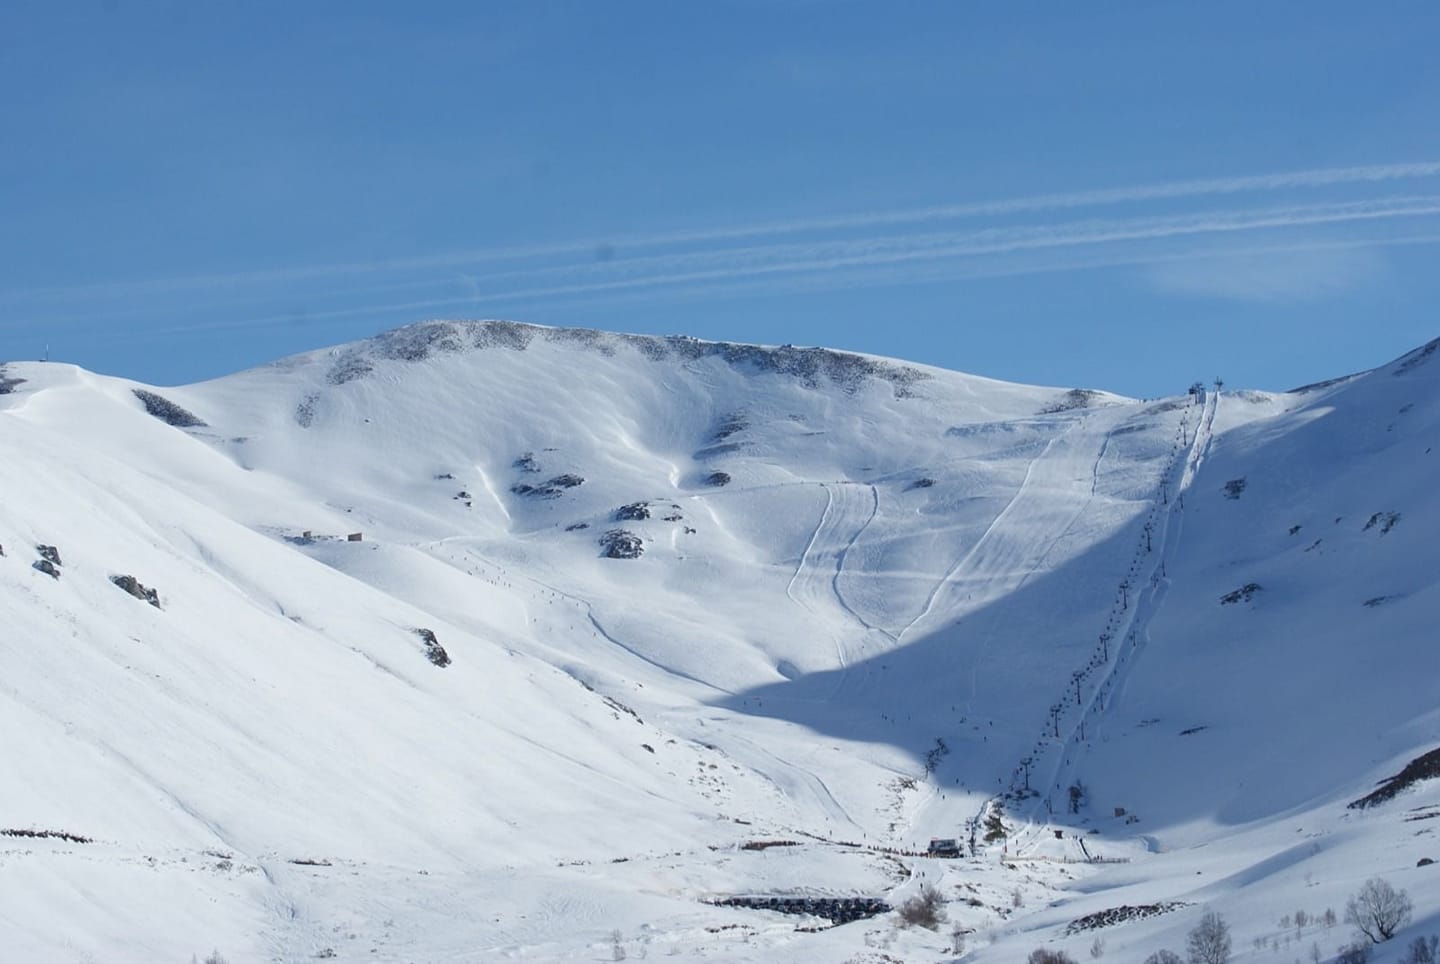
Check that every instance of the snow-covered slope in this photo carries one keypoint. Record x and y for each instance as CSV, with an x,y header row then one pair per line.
x,y
871,599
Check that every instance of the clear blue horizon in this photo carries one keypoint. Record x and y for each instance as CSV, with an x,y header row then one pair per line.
x,y
1127,197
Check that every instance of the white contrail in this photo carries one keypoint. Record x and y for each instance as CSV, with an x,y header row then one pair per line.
x,y
841,253
1324,177
799,259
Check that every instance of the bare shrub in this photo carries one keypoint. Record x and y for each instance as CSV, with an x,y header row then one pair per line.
x,y
1042,955
1378,910
925,909
1422,950
1356,953
1164,957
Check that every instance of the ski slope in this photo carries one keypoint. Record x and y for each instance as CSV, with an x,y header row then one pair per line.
x,y
844,559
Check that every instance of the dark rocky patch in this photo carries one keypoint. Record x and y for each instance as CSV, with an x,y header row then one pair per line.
x,y
1074,399
809,366
1244,594
8,383
434,652
577,526
348,367
729,425
1120,915
137,589
676,517
1385,520
49,554
634,512
418,342
923,483
167,411
837,910
584,337
46,835
305,410
1191,731
47,567
621,544
526,463
1425,767
620,707
1417,357
767,844
310,862
717,479
549,489
1233,488
1374,601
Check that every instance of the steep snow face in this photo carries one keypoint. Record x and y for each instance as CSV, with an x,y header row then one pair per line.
x,y
644,600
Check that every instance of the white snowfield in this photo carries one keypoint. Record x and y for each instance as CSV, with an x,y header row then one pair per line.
x,y
872,600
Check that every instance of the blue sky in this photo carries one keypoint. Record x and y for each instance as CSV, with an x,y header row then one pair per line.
x,y
1122,195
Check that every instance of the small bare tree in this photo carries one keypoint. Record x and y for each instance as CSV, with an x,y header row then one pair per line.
x,y
1097,949
1209,941
925,909
957,940
617,945
1378,910
1164,957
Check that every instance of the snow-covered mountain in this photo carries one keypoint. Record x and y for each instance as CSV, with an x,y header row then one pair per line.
x,y
484,641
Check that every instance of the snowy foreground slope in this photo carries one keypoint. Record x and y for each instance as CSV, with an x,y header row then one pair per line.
x,y
871,602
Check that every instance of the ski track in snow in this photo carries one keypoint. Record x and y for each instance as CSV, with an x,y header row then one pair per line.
x,y
964,562
850,508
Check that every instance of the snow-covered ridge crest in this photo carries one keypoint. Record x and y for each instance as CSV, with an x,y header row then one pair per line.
x,y
423,340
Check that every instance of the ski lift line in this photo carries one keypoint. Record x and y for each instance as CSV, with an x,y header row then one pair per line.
x,y
1191,457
